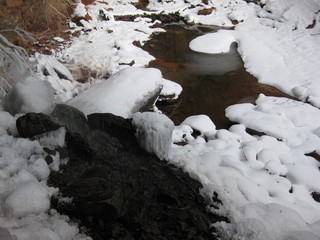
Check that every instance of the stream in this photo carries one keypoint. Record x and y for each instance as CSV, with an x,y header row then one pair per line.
x,y
210,82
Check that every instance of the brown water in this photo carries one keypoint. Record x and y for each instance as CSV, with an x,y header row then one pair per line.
x,y
210,82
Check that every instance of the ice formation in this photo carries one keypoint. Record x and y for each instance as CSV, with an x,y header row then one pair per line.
x,y
154,133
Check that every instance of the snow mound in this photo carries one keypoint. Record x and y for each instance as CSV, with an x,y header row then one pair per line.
x,y
122,94
29,95
213,43
294,122
170,89
28,198
201,123
154,133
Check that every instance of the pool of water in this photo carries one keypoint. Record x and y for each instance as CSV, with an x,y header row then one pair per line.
x,y
211,82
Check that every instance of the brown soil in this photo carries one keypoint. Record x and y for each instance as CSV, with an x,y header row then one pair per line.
x,y
210,83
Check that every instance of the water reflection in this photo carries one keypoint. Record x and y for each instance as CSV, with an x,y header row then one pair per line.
x,y
214,64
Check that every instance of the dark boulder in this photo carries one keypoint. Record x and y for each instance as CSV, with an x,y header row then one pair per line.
x,y
115,126
32,124
70,117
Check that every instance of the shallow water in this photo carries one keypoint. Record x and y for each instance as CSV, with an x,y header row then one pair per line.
x,y
211,82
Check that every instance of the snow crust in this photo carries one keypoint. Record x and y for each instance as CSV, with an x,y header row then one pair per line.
x,y
154,133
122,94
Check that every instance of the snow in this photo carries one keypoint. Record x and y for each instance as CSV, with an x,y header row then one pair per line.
x,y
29,95
28,198
276,46
24,195
263,181
122,94
170,89
219,42
154,133
292,121
201,123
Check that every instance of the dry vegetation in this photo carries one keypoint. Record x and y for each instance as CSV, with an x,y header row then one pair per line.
x,y
37,15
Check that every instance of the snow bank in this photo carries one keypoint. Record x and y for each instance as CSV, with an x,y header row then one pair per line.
x,y
24,195
106,47
154,133
294,122
254,177
29,95
122,94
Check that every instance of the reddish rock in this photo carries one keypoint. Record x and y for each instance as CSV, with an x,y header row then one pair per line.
x,y
88,2
205,1
206,11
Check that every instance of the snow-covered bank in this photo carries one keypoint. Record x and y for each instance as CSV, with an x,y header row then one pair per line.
x,y
24,195
279,46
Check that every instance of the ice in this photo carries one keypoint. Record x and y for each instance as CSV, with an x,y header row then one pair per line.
x,y
122,94
154,133
52,139
29,95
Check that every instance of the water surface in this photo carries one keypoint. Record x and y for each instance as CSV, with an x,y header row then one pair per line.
x,y
211,82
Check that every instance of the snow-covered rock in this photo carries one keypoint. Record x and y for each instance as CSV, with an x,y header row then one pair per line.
x,y
122,94
154,133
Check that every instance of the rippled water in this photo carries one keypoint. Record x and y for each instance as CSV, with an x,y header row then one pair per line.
x,y
210,83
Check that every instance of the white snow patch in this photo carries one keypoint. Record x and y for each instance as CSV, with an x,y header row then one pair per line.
x,y
213,43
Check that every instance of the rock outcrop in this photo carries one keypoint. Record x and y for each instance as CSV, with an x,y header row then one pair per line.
x,y
120,191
